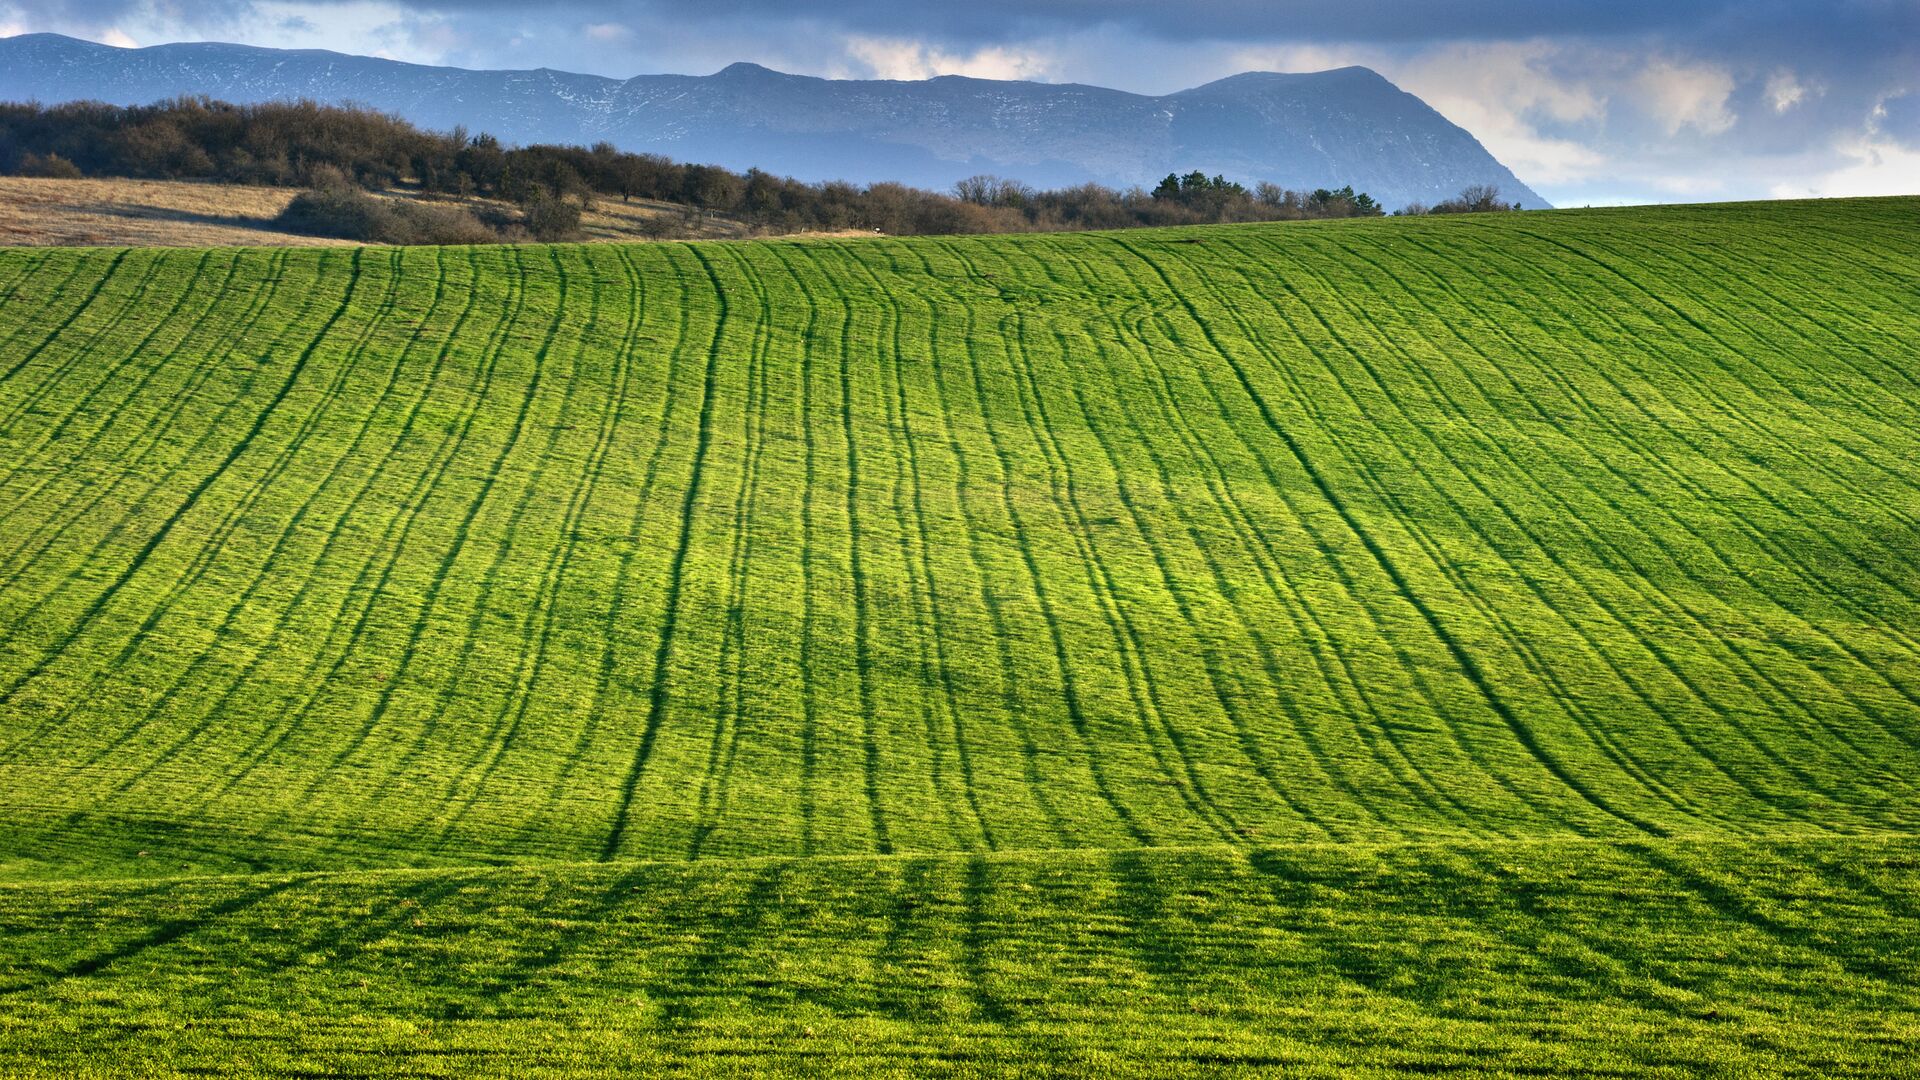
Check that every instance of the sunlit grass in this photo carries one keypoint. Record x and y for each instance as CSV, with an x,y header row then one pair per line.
x,y
1524,538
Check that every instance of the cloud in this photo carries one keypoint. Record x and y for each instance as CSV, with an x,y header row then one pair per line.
x,y
983,22
992,21
607,31
1784,90
1685,96
896,58
1506,93
1688,185
1871,166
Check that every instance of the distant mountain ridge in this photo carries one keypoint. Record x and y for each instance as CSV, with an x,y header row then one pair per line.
x,y
1324,129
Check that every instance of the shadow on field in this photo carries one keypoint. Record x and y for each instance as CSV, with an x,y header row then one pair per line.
x,y
581,926
189,217
164,934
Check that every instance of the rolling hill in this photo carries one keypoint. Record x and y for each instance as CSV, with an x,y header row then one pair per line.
x,y
1303,131
1484,644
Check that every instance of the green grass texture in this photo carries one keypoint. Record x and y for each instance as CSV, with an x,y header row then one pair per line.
x,y
1480,644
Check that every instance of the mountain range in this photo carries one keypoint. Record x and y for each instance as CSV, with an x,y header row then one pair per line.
x,y
1322,129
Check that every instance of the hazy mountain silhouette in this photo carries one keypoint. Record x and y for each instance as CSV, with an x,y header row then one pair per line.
x,y
1325,129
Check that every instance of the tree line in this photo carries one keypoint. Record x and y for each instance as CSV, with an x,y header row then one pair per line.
x,y
342,152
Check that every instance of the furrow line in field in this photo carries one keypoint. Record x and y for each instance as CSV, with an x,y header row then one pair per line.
x,y
80,263
1641,580
912,522
1305,622
1726,899
705,970
110,377
148,490
1781,553
461,678
81,354
1422,787
312,681
217,538
658,693
1069,685
1619,970
55,521
1518,522
1569,703
1464,659
1877,253
214,544
503,548
650,475
1012,708
98,337
397,533
862,603
21,268
246,598
917,566
456,545
1219,677
1742,414
1744,370
77,262
1147,698
1343,688
731,703
1793,314
1847,253
1017,711
192,499
537,635
809,690
1792,269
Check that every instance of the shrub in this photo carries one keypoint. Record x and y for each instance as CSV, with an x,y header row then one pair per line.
x,y
1475,199
444,225
49,167
550,218
339,212
348,214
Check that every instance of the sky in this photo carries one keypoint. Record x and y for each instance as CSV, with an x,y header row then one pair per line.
x,y
1629,101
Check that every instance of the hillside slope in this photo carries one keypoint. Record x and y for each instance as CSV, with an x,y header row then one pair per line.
x,y
1520,525
1436,638
1304,131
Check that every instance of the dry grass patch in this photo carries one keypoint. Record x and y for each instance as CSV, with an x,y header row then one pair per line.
x,y
142,213
37,212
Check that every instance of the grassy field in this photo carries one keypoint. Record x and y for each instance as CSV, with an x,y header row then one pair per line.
x,y
1487,644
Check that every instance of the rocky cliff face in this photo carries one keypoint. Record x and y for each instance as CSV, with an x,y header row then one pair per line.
x,y
1325,129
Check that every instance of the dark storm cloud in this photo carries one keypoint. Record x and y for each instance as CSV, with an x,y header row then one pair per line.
x,y
1299,20
1346,20
1331,20
184,13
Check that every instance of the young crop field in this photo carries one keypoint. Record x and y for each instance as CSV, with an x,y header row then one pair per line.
x,y
1487,644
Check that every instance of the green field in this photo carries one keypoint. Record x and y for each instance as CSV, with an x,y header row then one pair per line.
x,y
1476,644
